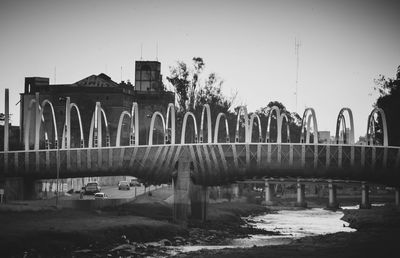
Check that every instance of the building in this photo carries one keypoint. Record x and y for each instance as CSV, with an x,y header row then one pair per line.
x,y
115,98
324,137
148,92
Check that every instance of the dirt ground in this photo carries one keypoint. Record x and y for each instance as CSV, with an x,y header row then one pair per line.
x,y
50,232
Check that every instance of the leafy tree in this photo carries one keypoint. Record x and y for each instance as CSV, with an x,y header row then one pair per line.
x,y
193,93
389,101
293,117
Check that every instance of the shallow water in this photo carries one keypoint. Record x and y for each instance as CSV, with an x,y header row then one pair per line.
x,y
292,224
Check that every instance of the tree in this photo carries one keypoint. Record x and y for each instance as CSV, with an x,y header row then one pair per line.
x,y
389,101
193,93
293,117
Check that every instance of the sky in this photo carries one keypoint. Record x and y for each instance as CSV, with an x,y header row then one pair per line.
x,y
250,44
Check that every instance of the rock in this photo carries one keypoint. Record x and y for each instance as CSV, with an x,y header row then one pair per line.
x,y
126,247
84,251
165,242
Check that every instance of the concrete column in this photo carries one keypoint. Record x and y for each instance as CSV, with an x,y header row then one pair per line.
x,y
6,119
300,195
365,204
397,196
332,204
198,202
268,194
181,185
6,129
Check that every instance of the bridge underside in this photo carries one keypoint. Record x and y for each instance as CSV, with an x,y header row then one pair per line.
x,y
212,164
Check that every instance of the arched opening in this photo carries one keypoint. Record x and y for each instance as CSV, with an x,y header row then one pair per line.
x,y
207,109
242,111
257,137
343,133
170,124
216,129
377,128
269,136
309,118
159,135
184,125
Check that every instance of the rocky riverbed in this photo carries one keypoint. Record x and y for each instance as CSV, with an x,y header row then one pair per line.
x,y
144,229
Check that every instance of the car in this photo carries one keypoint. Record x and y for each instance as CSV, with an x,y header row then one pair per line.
x,y
100,196
92,188
123,185
134,182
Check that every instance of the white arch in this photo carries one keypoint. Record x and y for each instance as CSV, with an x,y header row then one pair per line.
x,y
68,123
184,127
206,107
252,117
41,108
284,116
216,129
73,105
371,127
153,118
92,125
134,133
305,122
342,119
121,118
246,121
278,124
171,134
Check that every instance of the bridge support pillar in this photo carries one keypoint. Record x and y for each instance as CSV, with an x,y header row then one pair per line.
x,y
365,204
332,204
190,200
301,188
268,194
397,196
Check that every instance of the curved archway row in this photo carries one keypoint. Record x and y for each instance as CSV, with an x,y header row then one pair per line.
x,y
308,125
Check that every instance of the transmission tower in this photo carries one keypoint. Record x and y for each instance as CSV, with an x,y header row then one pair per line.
x,y
297,44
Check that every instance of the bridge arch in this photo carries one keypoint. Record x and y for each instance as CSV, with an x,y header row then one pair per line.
x,y
252,117
170,131
66,141
308,117
153,118
284,117
371,127
278,124
37,131
97,114
243,110
341,120
121,119
206,109
187,114
216,129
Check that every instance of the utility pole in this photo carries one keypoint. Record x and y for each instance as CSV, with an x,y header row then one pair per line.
x,y
297,45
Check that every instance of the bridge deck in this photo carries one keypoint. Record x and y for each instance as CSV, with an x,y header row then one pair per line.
x,y
213,164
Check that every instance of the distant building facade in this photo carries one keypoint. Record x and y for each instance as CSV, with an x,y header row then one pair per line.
x,y
115,98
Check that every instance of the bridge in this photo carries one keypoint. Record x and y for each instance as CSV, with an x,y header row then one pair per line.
x,y
204,162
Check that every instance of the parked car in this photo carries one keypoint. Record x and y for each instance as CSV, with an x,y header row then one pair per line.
x,y
100,196
123,185
92,188
134,182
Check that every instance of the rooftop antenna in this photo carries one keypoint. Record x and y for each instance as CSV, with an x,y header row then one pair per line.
x,y
157,51
121,73
141,51
297,44
55,74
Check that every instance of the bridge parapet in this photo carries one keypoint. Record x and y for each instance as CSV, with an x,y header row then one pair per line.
x,y
212,164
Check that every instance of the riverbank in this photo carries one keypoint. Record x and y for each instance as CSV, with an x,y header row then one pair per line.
x,y
115,232
143,228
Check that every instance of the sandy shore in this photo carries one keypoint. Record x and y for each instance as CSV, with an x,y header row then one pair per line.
x,y
123,232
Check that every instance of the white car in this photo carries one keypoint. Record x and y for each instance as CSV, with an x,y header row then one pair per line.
x,y
100,196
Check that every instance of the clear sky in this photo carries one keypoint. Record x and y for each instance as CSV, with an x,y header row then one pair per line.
x,y
250,44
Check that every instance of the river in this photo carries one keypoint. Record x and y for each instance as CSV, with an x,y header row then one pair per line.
x,y
291,224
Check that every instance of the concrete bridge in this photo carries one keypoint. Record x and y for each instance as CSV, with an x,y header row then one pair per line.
x,y
203,163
